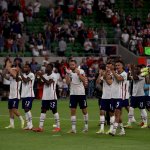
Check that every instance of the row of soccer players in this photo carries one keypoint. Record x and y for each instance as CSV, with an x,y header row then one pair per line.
x,y
115,95
116,85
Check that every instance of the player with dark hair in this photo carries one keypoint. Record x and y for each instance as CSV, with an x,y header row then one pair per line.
x,y
106,103
138,98
49,98
77,80
119,79
27,93
14,94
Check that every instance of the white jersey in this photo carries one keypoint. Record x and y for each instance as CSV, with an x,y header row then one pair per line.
x,y
49,91
5,81
57,76
27,88
119,90
138,87
106,90
76,85
14,88
125,94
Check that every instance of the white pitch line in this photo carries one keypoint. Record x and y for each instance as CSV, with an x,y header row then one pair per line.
x,y
53,118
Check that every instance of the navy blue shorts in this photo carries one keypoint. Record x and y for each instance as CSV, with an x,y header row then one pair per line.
x,y
125,103
138,101
147,102
117,103
75,99
13,103
49,105
27,103
106,105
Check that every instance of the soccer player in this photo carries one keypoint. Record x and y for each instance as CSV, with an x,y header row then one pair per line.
x,y
77,80
138,97
27,93
119,78
49,98
14,95
106,103
128,86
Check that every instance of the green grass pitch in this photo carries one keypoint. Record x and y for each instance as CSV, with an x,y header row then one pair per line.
x,y
18,139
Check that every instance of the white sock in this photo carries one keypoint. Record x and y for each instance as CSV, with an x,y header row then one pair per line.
x,y
73,122
144,115
130,114
102,122
21,118
112,120
42,118
27,119
115,126
30,118
121,127
133,119
12,122
57,121
86,118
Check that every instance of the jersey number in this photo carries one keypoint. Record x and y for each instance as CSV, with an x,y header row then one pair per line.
x,y
141,104
14,103
52,104
27,103
117,105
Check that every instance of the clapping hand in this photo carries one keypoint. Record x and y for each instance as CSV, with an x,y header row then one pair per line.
x,y
77,71
8,64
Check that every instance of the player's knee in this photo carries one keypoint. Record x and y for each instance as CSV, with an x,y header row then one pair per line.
x,y
54,111
84,111
102,112
26,110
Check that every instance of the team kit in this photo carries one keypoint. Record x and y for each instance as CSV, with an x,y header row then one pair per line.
x,y
116,87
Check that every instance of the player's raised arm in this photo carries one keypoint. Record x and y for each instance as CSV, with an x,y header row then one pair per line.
x,y
12,70
100,77
68,79
48,82
81,75
5,74
25,79
24,75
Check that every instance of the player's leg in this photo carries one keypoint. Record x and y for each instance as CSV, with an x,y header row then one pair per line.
x,y
83,107
112,120
112,115
130,117
118,107
45,105
86,118
11,116
17,113
102,116
128,109
133,105
27,105
73,106
53,107
142,105
11,104
122,131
